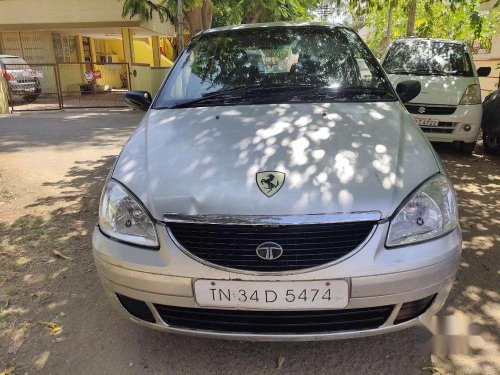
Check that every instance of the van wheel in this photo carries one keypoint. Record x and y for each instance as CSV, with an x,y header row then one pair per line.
x,y
467,148
491,143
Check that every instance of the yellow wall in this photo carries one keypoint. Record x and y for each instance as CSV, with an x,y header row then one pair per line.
x,y
116,48
4,97
111,75
157,77
142,79
143,54
490,83
44,14
71,76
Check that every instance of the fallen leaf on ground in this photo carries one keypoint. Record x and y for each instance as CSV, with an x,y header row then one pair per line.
x,y
8,371
435,370
61,255
281,360
54,327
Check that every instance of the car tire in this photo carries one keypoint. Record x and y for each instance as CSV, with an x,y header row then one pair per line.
x,y
30,98
467,148
491,143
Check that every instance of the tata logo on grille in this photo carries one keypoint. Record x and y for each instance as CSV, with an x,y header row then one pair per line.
x,y
421,109
269,251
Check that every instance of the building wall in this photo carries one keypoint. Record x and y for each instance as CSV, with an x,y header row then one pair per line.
x,y
4,97
43,14
143,54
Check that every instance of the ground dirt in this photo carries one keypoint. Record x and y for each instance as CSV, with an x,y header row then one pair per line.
x,y
52,168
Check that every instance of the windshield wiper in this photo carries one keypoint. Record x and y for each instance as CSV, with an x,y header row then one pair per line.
x,y
358,91
293,93
241,92
420,72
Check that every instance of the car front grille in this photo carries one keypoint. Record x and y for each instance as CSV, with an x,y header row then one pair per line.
x,y
443,127
275,322
304,246
431,109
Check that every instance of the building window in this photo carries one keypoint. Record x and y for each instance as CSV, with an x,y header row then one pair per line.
x,y
65,48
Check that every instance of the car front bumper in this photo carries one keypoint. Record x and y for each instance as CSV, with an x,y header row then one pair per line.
x,y
377,277
451,127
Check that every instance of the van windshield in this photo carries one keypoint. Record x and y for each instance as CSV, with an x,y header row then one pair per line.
x,y
424,57
275,65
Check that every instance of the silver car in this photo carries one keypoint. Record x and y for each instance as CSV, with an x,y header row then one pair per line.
x,y
295,202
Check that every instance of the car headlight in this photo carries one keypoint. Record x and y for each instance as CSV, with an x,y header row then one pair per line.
x,y
472,95
122,217
430,212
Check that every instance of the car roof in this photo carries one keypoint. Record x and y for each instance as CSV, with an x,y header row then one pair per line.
x,y
270,24
431,39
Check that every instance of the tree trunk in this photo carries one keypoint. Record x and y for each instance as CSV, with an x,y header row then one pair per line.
x,y
254,17
389,25
180,28
200,18
195,21
206,14
412,12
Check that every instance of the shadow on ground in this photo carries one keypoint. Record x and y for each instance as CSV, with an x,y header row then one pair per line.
x,y
43,287
84,127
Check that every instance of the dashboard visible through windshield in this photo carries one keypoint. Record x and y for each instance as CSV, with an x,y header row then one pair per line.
x,y
275,65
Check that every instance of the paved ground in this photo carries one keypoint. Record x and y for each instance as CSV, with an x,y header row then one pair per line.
x,y
52,167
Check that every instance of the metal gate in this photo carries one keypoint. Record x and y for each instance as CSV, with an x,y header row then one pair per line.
x,y
32,87
86,85
35,87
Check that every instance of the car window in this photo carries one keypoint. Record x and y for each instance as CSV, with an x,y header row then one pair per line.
x,y
12,60
333,58
427,57
450,58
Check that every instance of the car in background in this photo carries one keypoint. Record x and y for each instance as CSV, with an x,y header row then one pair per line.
x,y
491,123
448,108
22,80
265,203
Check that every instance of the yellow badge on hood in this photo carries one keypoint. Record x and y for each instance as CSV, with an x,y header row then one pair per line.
x,y
270,182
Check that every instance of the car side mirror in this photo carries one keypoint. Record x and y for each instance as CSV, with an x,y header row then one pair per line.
x,y
484,71
138,100
408,90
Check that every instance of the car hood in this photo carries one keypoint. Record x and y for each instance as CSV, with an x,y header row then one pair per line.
x,y
443,90
337,157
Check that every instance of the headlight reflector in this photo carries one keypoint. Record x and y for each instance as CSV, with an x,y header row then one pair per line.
x,y
123,218
430,212
472,95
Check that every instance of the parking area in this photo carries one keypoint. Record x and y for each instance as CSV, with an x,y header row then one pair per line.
x,y
52,168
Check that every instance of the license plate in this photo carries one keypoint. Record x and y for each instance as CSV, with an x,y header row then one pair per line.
x,y
426,122
323,294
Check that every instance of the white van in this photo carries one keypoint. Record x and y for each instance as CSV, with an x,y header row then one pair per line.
x,y
448,108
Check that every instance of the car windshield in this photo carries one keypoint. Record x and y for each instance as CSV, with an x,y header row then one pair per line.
x,y
289,64
425,57
12,60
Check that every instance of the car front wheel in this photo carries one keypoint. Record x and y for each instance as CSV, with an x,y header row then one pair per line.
x,y
491,143
466,148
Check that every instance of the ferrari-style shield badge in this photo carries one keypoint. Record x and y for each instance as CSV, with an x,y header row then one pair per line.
x,y
270,182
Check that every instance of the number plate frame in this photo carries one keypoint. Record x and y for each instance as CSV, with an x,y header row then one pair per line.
x,y
426,122
272,295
